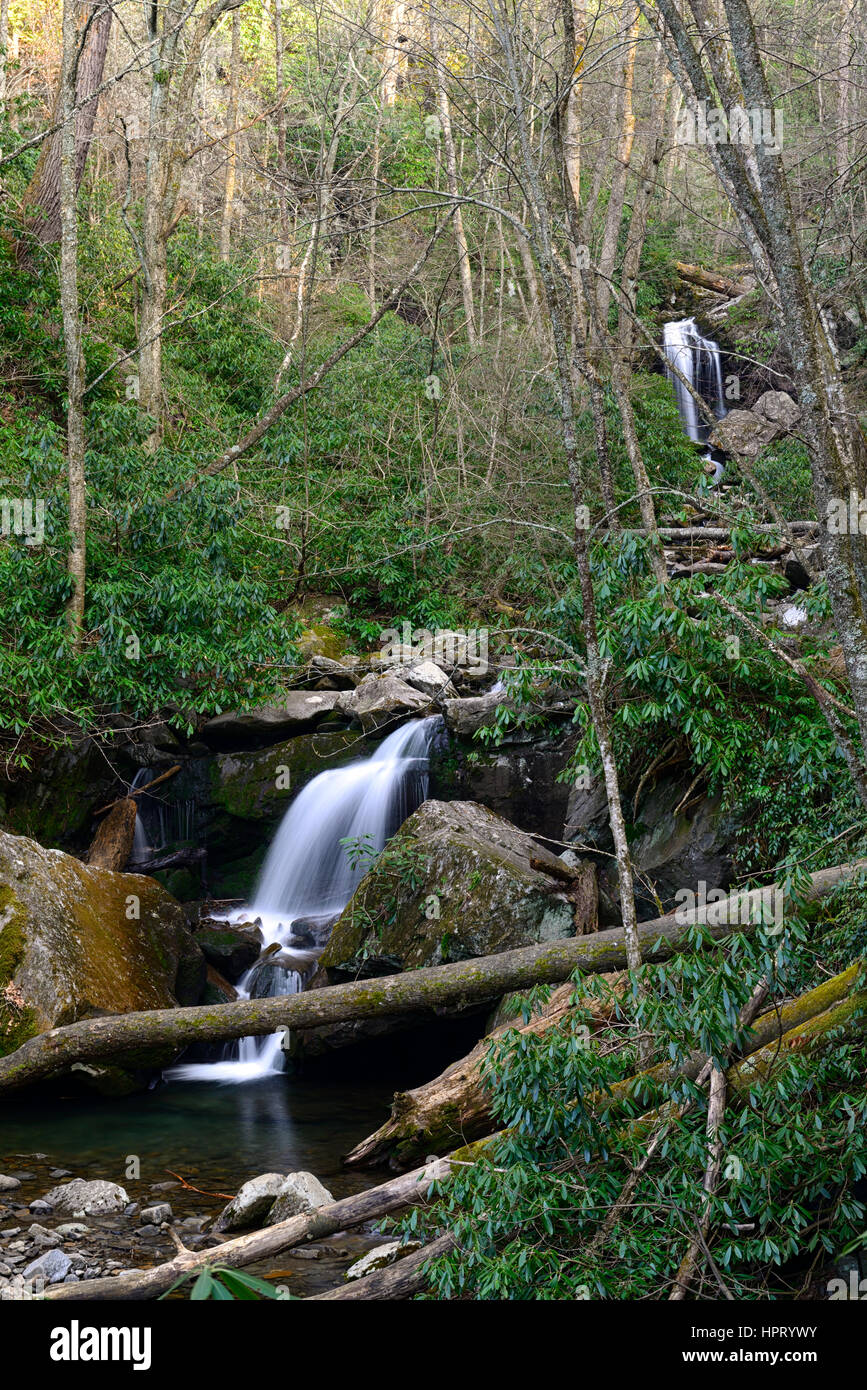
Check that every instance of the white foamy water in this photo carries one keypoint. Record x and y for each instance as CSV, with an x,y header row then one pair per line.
x,y
698,358
308,872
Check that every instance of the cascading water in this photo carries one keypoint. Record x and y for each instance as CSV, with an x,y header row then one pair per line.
x,y
159,823
698,358
309,873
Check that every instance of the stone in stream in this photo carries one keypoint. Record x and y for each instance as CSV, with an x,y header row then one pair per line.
x,y
251,1204
98,1198
156,1215
8,1184
272,1197
51,1268
230,947
301,1192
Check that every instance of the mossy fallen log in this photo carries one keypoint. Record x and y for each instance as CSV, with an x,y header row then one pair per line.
x,y
456,1105
421,992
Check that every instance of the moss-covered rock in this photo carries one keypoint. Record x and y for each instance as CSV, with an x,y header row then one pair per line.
x,y
77,940
455,882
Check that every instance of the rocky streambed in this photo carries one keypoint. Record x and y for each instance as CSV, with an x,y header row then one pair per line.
x,y
117,1183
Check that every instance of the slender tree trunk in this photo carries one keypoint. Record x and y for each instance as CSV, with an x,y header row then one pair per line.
x,y
68,216
464,266
231,139
4,44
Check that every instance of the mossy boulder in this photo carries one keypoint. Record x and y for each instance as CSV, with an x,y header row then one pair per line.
x,y
456,881
76,941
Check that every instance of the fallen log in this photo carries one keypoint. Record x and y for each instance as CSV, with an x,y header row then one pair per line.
x,y
399,1280
419,992
248,1249
172,859
112,844
710,280
455,1106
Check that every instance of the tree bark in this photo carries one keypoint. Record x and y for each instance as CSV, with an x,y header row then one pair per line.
x,y
399,1280
111,846
231,139
455,1106
462,248
417,991
69,178
92,21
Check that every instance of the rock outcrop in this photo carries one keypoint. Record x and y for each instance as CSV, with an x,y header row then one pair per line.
x,y
76,940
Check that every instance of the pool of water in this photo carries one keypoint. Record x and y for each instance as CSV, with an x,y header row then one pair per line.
x,y
213,1136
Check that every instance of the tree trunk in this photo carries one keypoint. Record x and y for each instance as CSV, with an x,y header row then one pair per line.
x,y
462,248
231,139
41,202
69,177
418,991
111,846
399,1280
4,44
455,1106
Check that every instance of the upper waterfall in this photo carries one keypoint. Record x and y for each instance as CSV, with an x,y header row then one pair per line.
x,y
698,359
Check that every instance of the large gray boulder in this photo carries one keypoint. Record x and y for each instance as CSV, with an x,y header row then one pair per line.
x,y
251,1204
383,700
456,881
300,1193
96,1198
270,1198
296,712
748,432
76,940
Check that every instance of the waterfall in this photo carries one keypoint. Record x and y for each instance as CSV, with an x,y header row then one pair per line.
x,y
159,824
309,873
698,358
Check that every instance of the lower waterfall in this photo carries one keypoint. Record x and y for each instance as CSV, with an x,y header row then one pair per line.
x,y
310,873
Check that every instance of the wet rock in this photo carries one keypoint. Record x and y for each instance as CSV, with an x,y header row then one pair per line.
x,y
296,712
51,1268
300,1193
73,1230
97,1198
41,1208
382,700
252,1203
8,1184
43,1238
231,948
156,1215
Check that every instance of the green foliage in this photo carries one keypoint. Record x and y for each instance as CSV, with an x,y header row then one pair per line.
x,y
535,1216
222,1284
